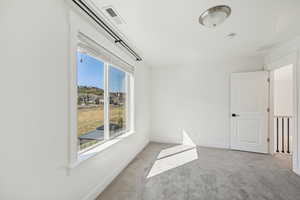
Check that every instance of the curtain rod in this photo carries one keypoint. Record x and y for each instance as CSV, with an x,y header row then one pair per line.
x,y
106,28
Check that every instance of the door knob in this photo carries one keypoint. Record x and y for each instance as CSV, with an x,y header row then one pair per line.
x,y
234,115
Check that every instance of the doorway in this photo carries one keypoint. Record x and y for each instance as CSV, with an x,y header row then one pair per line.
x,y
278,135
282,113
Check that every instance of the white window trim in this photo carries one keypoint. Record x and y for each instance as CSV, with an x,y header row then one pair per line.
x,y
78,25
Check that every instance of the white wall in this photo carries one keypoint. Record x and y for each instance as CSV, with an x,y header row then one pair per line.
x,y
194,98
34,114
283,91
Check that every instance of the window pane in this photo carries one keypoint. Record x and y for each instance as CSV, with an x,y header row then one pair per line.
x,y
90,100
117,101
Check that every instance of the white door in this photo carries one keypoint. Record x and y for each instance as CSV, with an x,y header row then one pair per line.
x,y
249,111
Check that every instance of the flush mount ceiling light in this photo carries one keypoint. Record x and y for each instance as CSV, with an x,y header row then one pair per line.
x,y
214,16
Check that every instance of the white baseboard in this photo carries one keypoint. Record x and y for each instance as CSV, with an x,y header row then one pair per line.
x,y
297,171
165,141
213,145
218,146
96,191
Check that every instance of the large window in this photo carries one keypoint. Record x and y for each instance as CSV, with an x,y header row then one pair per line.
x,y
102,100
90,100
117,101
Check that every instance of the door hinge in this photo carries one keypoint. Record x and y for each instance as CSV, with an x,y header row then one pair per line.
x,y
268,139
268,80
268,109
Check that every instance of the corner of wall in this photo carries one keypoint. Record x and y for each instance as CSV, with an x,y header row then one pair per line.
x,y
98,189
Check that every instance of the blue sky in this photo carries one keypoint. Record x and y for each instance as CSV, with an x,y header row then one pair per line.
x,y
91,73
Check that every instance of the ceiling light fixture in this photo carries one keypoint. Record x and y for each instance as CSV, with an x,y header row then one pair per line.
x,y
214,16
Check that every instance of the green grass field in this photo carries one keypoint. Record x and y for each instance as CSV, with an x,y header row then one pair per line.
x,y
90,118
93,117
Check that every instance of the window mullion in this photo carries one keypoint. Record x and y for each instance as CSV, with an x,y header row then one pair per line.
x,y
127,103
106,102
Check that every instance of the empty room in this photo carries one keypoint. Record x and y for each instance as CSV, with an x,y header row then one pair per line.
x,y
150,100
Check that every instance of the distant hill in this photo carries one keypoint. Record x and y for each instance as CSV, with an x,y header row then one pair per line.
x,y
94,96
90,90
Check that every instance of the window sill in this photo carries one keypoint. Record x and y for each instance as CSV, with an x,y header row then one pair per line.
x,y
98,149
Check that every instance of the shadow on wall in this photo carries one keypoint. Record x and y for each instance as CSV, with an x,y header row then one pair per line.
x,y
175,156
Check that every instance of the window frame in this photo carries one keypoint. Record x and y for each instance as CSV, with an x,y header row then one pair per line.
x,y
104,98
107,66
78,25
128,98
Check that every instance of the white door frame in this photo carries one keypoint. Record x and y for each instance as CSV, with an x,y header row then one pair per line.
x,y
276,64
